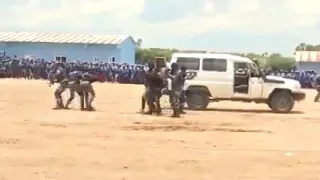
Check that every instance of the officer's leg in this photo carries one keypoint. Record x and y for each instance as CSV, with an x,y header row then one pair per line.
x,y
175,96
182,101
85,99
72,93
92,95
316,99
81,95
157,103
57,93
150,102
143,101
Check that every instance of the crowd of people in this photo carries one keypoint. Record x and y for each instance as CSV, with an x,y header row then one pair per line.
x,y
14,67
306,78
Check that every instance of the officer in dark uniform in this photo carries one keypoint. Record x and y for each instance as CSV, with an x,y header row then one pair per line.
x,y
317,86
154,83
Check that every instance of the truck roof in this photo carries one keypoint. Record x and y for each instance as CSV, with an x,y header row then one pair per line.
x,y
229,57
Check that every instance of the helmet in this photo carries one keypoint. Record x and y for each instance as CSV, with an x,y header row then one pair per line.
x,y
174,66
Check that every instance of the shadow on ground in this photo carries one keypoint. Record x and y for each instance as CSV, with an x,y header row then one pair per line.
x,y
260,111
169,128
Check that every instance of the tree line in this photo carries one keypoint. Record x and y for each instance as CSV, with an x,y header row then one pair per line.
x,y
274,61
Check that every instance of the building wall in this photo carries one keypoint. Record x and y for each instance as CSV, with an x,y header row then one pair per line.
x,y
47,51
306,66
128,51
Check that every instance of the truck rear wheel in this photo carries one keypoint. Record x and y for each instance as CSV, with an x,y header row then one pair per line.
x,y
197,100
281,102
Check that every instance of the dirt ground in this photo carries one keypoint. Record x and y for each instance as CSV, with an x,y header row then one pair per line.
x,y
229,141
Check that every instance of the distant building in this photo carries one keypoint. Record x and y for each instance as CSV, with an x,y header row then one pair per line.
x,y
308,60
72,47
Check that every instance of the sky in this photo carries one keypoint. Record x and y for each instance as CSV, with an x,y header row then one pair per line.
x,y
218,25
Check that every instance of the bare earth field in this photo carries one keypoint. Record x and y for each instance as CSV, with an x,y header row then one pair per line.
x,y
230,141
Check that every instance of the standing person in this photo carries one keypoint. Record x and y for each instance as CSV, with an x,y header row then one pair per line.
x,y
74,79
59,76
177,85
88,91
153,91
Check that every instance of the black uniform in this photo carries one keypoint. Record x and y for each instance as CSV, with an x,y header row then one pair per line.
x,y
154,84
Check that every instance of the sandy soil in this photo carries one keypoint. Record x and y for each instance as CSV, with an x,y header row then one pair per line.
x,y
230,141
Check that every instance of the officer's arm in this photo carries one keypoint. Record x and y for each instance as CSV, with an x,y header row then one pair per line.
x,y
170,76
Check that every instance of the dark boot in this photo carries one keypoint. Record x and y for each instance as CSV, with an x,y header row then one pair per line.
x,y
158,112
149,112
68,103
175,114
90,108
59,105
181,111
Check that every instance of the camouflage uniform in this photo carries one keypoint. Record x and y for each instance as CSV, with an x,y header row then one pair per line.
x,y
177,84
88,91
60,77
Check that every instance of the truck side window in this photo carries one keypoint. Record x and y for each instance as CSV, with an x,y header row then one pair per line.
x,y
212,64
240,68
189,63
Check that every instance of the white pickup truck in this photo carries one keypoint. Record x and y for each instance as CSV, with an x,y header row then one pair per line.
x,y
234,78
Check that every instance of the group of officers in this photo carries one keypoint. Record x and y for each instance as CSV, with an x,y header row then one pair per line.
x,y
76,81
160,80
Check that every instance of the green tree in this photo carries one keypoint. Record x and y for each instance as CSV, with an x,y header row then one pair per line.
x,y
145,55
277,61
307,47
301,47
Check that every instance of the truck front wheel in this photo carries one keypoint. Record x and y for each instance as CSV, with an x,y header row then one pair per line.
x,y
197,100
281,102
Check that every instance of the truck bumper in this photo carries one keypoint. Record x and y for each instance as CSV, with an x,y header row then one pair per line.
x,y
299,96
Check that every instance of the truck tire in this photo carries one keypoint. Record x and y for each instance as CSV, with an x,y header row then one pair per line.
x,y
197,100
281,102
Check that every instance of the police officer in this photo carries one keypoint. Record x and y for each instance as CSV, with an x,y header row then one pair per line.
x,y
74,87
177,85
153,90
60,77
88,91
317,86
